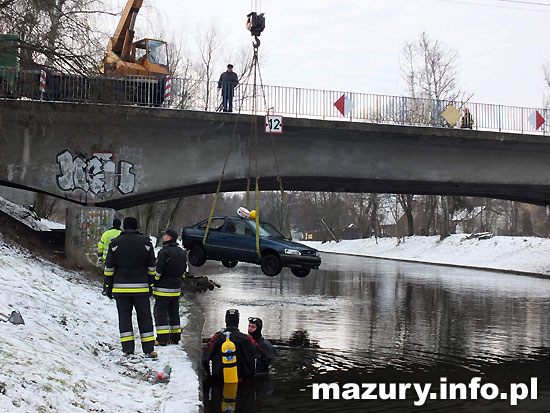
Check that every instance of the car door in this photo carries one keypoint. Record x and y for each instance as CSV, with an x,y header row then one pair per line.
x,y
214,242
239,242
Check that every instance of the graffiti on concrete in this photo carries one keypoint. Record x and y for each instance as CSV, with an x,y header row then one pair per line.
x,y
99,174
97,222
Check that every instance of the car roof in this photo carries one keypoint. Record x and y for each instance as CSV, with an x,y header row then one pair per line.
x,y
233,217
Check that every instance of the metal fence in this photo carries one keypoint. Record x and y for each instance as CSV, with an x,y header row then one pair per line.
x,y
287,101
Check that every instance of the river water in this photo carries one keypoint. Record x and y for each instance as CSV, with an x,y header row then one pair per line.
x,y
362,320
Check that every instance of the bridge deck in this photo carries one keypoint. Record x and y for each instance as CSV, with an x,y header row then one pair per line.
x,y
117,156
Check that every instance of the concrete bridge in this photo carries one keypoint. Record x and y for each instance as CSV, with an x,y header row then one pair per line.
x,y
119,156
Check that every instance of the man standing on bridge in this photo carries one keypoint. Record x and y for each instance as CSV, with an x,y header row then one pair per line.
x,y
227,83
467,120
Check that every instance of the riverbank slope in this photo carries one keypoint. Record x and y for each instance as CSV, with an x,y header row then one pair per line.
x,y
67,355
513,254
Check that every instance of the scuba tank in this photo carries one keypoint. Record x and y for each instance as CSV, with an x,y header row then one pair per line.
x,y
229,360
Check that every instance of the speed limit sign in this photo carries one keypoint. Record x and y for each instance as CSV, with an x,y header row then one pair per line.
x,y
273,124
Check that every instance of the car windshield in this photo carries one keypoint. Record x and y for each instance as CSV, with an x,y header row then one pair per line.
x,y
268,230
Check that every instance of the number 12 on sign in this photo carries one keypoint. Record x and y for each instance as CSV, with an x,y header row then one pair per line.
x,y
273,124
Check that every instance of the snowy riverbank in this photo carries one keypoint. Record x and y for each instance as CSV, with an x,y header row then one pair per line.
x,y
520,254
67,356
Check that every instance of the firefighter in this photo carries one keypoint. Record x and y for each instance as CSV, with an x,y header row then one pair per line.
x,y
246,350
106,238
171,269
129,277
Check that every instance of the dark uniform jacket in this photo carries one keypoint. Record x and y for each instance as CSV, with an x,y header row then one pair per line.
x,y
246,351
171,267
267,352
130,264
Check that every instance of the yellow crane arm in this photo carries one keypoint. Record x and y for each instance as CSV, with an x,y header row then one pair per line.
x,y
122,40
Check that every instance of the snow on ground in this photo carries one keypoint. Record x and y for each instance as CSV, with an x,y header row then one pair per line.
x,y
23,215
525,254
28,217
67,356
52,224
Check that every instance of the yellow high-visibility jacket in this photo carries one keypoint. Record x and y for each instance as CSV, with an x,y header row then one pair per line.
x,y
103,244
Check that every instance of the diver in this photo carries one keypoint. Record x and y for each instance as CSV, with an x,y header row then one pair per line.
x,y
267,352
230,353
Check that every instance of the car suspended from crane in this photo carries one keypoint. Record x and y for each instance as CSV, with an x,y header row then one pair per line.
x,y
232,239
245,238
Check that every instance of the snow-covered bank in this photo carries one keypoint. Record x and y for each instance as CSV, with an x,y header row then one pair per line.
x,y
67,356
522,254
23,215
52,224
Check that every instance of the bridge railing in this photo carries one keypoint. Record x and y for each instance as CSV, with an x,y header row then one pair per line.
x,y
282,100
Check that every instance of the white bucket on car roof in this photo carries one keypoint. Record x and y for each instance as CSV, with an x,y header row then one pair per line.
x,y
243,212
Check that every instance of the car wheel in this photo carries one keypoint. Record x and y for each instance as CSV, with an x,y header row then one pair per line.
x,y
229,264
300,272
271,265
197,255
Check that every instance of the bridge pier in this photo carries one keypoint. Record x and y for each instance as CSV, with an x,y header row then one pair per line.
x,y
84,227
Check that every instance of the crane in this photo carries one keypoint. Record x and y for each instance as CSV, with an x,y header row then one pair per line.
x,y
146,57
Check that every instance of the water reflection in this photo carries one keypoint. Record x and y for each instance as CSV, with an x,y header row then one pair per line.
x,y
236,397
377,320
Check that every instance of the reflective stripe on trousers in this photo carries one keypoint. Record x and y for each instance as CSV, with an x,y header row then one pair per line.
x,y
167,292
125,305
131,288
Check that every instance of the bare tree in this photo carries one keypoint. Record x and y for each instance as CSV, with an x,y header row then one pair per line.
x,y
273,210
5,3
361,208
546,69
210,48
429,69
185,70
44,205
208,42
374,219
61,34
406,201
391,205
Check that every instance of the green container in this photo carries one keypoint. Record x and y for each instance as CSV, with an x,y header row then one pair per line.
x,y
9,46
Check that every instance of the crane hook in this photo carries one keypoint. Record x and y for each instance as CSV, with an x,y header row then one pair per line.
x,y
256,44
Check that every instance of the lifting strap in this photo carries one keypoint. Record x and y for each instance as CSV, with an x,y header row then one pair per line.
x,y
255,133
221,178
223,169
258,218
253,153
286,223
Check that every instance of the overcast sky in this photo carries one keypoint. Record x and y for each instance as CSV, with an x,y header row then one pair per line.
x,y
355,45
